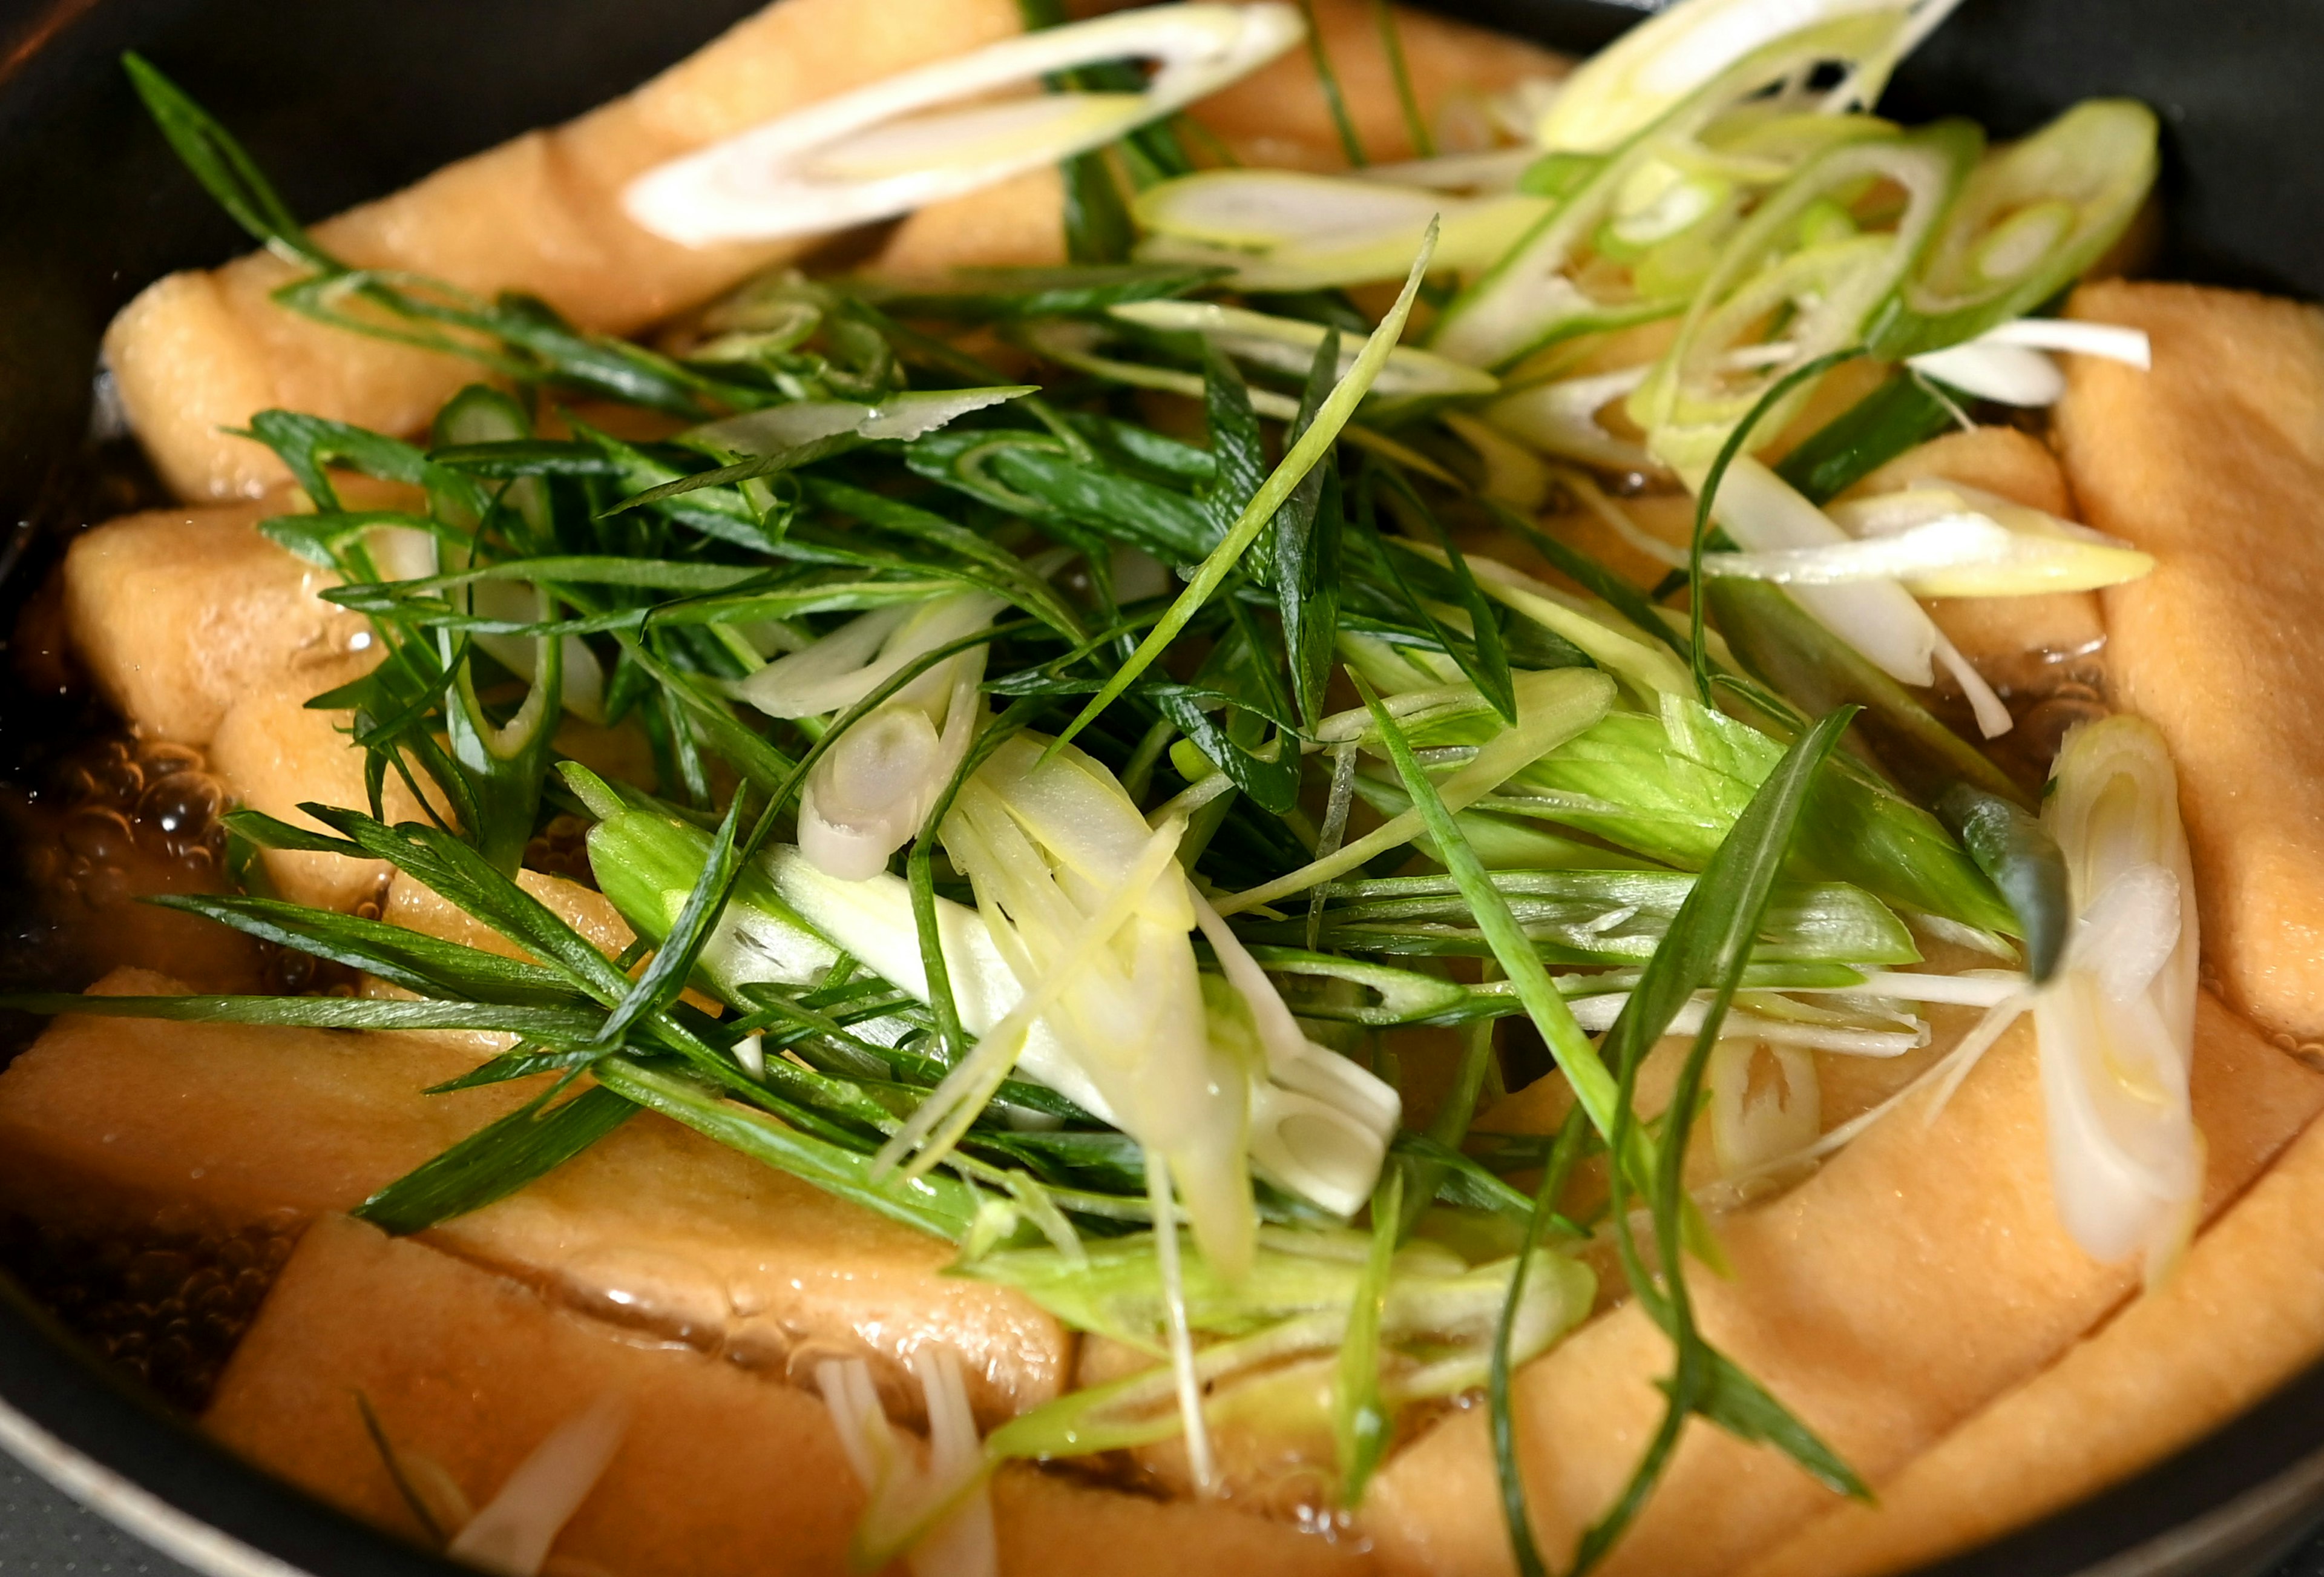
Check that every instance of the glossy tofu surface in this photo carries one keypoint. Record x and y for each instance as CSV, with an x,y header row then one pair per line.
x,y
2241,1315
178,613
107,1122
1920,1273
276,753
2214,463
113,1119
718,1474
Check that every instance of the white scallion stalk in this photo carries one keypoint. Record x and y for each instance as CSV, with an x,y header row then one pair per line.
x,y
1185,1383
1979,544
1284,230
2011,374
1597,1014
1656,65
1878,618
512,1534
1975,988
1043,843
2118,1021
1940,1079
872,921
936,1514
876,153
406,553
1289,345
519,602
1495,170
1320,1125
1561,417
1941,541
877,782
2111,342
950,1108
1764,512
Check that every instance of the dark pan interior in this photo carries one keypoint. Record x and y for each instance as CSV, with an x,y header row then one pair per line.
x,y
343,99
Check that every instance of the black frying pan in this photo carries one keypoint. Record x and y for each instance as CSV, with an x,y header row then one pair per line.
x,y
344,100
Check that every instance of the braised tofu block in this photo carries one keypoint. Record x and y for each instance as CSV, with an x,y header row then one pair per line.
x,y
2214,462
468,1373
276,753
178,613
1019,223
2240,1315
107,1122
114,1120
1919,1274
1279,117
660,1228
717,1473
198,353
1054,1527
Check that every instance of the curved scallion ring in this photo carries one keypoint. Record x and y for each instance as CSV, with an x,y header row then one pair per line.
x,y
872,153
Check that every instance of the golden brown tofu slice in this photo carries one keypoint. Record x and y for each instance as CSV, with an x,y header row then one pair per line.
x,y
468,1373
275,753
1922,1273
660,1228
1280,115
2242,1313
114,1119
120,1119
768,1270
717,1475
412,904
1018,224
199,352
177,614
1050,1526
2214,463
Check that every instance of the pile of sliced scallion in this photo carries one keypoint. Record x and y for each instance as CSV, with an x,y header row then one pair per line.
x,y
1064,810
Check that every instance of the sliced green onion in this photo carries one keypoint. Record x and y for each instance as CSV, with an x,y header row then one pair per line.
x,y
2029,221
1656,66
1324,431
1289,345
1532,296
2117,1022
1284,230
872,153
1553,706
1968,543
904,416
1822,293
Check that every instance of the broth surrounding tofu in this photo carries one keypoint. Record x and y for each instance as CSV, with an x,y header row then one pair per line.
x,y
1108,551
